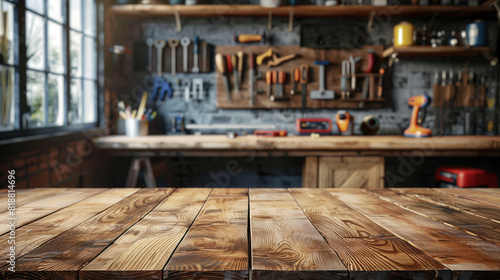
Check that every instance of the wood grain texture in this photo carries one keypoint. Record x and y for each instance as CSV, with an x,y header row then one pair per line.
x,y
455,144
40,231
495,192
26,196
284,242
457,203
351,172
473,195
466,254
366,249
216,245
482,227
37,209
144,249
63,256
310,173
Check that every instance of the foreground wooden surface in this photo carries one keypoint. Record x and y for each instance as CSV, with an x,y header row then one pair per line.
x,y
190,233
219,145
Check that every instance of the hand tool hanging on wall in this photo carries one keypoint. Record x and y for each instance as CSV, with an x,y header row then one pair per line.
x,y
196,69
187,86
380,88
229,68
275,61
173,43
204,54
344,122
221,67
248,38
251,75
269,82
185,42
437,103
366,82
160,86
241,62
150,43
344,86
198,89
234,63
304,79
295,76
279,79
322,93
353,61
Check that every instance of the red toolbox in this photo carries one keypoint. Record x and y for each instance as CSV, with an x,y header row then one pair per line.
x,y
465,177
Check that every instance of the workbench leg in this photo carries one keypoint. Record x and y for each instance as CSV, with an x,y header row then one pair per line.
x,y
310,173
149,177
133,173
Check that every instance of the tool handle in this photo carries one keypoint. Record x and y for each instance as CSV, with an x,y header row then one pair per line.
x,y
321,62
281,77
275,77
234,61
251,61
195,45
304,70
229,64
247,38
296,74
269,77
371,62
220,63
240,61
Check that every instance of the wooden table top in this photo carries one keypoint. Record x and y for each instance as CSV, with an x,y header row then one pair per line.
x,y
188,233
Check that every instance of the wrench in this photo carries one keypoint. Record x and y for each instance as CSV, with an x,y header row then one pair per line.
x,y
150,42
187,85
185,43
159,44
196,69
173,43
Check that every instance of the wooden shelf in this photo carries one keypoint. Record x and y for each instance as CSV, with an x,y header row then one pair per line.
x,y
428,51
162,10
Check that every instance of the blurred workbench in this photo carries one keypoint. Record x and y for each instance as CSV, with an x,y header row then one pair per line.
x,y
360,159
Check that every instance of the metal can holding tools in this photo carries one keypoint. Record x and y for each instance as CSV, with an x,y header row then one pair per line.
x,y
403,34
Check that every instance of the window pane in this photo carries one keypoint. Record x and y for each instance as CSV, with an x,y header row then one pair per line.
x,y
55,10
89,18
35,41
75,14
75,107
35,5
7,98
55,106
75,47
55,48
8,55
89,58
35,88
89,101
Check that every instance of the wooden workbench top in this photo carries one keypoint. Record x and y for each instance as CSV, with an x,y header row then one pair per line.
x,y
189,233
252,142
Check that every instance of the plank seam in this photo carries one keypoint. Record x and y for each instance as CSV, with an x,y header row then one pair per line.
x,y
123,232
324,238
184,236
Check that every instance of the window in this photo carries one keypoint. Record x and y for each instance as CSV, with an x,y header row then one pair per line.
x,y
60,65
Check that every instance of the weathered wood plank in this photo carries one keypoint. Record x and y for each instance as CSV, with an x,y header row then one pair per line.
x,y
45,206
366,249
495,192
467,255
63,256
473,195
468,206
482,227
216,245
25,196
284,242
144,249
40,231
310,172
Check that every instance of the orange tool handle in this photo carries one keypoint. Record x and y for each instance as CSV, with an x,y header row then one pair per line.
x,y
247,38
269,77
296,74
251,61
275,77
304,73
281,77
380,83
229,64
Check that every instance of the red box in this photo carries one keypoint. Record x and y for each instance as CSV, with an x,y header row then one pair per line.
x,y
313,125
465,177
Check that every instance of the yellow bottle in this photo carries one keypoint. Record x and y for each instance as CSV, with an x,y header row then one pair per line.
x,y
403,34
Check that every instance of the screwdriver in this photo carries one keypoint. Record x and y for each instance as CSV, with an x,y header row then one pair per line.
x,y
241,58
221,67
304,77
229,69
235,72
295,79
269,82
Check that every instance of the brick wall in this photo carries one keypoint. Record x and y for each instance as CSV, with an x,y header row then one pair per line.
x,y
63,161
